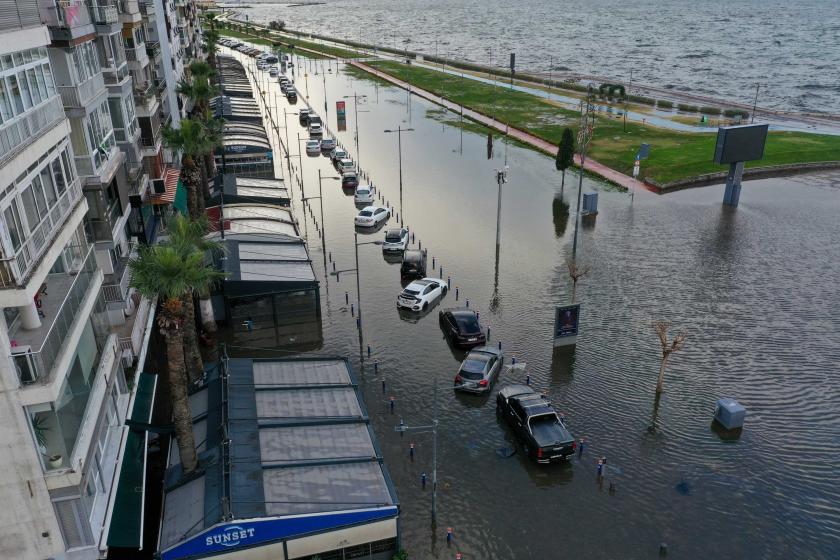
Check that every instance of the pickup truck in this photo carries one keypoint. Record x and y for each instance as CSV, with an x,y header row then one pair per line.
x,y
544,436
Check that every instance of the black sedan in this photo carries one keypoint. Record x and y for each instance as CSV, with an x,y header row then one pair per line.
x,y
461,326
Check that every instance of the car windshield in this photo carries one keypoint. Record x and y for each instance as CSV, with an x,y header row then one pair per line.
x,y
410,292
393,236
466,322
363,192
365,213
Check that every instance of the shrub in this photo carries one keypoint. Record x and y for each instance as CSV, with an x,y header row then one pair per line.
x,y
732,113
664,104
707,110
687,108
641,99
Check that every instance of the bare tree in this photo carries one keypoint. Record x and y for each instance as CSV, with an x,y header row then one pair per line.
x,y
668,348
576,272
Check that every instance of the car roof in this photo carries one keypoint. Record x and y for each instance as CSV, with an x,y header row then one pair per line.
x,y
392,230
460,311
421,282
371,208
514,390
494,350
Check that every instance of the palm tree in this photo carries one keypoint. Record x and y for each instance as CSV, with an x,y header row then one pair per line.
x,y
190,236
169,273
211,40
192,140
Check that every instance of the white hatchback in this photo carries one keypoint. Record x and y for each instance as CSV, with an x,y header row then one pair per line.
x,y
372,216
396,240
363,194
420,294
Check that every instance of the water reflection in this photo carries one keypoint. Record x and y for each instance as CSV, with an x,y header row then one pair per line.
x,y
560,212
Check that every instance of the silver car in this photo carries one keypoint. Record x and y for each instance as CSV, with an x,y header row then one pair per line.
x,y
479,370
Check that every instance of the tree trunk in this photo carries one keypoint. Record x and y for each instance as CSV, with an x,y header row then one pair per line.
x,y
660,384
210,170
191,177
208,319
192,354
574,289
170,323
562,182
203,194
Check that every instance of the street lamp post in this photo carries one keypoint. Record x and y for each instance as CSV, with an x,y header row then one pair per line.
x,y
399,132
336,273
356,97
320,198
300,155
501,178
286,123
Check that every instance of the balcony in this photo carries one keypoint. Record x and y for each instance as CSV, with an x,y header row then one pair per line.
x,y
137,57
104,15
14,271
115,285
18,133
102,229
153,49
67,20
81,95
36,351
147,8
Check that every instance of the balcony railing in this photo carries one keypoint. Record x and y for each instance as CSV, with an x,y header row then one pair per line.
x,y
65,14
147,8
15,270
137,54
152,141
153,49
37,350
104,15
16,134
91,165
79,96
115,286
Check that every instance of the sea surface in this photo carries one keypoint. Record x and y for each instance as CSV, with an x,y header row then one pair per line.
x,y
719,48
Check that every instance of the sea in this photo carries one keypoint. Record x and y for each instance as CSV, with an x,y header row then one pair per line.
x,y
717,48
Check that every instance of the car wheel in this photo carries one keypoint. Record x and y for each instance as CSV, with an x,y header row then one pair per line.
x,y
425,306
444,290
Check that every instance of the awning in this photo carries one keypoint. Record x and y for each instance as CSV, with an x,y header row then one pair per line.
x,y
126,527
171,183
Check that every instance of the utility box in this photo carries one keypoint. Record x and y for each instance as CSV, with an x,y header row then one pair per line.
x,y
590,204
730,413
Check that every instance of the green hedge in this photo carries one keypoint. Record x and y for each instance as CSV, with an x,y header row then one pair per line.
x,y
687,108
641,99
708,110
664,104
732,113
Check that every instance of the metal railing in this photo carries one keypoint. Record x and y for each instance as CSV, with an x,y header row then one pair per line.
x,y
154,140
104,15
34,365
115,287
80,95
18,133
137,54
15,270
147,8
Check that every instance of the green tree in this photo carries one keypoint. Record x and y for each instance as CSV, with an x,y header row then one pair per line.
x,y
192,140
169,273
200,90
565,155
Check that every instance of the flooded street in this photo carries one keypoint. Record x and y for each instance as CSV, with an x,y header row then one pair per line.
x,y
756,288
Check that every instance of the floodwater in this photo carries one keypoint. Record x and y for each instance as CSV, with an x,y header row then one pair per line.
x,y
755,288
707,47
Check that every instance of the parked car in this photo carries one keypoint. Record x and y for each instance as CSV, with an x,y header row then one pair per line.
x,y
327,144
283,80
420,294
273,71
338,154
363,195
461,326
313,147
543,433
350,180
395,240
372,216
414,264
315,129
291,96
479,370
344,165
303,117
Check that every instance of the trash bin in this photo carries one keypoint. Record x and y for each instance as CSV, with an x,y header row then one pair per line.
x,y
730,413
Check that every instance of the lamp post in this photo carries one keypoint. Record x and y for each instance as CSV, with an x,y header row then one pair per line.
x,y
585,131
355,97
399,132
300,155
501,178
286,126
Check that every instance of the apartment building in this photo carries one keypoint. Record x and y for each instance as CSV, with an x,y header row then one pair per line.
x,y
78,182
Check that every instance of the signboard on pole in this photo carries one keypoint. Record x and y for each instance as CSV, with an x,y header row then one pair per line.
x,y
512,63
566,319
636,169
340,109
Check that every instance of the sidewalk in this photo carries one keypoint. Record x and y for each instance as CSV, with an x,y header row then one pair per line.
x,y
548,148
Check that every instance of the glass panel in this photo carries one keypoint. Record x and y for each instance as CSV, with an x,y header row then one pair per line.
x,y
38,187
33,86
15,91
69,171
5,102
42,83
49,186
30,208
58,176
24,88
49,78
13,226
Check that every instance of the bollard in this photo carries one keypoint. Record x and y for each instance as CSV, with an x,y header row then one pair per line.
x,y
513,361
500,345
441,273
528,379
663,549
346,297
467,303
457,293
376,369
433,263
419,245
391,403
449,282
411,451
412,237
352,310
333,266
423,480
449,535
580,448
368,350
358,323
600,468
478,314
488,334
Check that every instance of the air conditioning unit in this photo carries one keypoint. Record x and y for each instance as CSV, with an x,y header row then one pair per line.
x,y
159,186
27,373
135,200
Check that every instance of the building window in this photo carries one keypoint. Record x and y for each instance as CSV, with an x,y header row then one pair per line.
x,y
72,519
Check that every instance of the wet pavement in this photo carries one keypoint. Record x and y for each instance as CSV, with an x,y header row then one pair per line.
x,y
754,287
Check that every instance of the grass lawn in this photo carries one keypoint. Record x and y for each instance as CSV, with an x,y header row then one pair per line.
x,y
673,156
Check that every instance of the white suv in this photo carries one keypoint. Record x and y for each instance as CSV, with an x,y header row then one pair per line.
x,y
420,294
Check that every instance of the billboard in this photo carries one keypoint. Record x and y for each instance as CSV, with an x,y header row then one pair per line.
x,y
740,143
566,319
340,109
